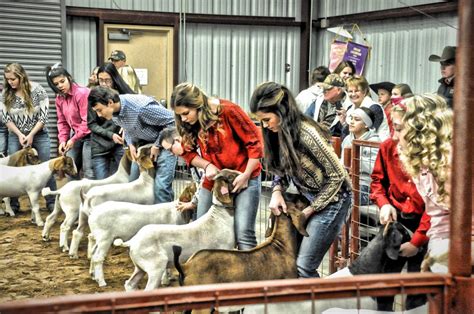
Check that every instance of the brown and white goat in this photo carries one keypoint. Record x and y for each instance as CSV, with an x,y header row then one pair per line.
x,y
18,181
275,258
23,157
68,199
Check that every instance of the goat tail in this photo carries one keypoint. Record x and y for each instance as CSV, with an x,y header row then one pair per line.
x,y
177,252
119,242
47,191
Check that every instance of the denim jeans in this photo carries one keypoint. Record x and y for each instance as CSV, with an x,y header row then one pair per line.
x,y
42,143
3,139
107,164
82,155
246,206
364,195
323,227
164,166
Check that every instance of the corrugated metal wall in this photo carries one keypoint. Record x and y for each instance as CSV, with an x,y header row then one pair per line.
x,y
228,61
30,34
81,47
400,49
329,8
284,8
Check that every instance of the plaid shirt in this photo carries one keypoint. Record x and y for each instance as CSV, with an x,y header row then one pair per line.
x,y
142,118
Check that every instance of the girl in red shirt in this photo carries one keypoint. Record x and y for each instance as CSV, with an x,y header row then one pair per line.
x,y
226,138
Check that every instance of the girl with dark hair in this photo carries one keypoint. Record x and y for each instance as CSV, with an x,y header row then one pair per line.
x,y
345,69
106,137
108,76
71,106
297,148
227,138
24,106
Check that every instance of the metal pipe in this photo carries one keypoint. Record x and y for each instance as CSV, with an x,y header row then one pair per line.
x,y
463,150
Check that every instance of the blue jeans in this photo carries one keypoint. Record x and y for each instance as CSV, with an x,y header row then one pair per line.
x,y
323,227
3,139
107,164
164,166
82,155
246,206
364,195
42,143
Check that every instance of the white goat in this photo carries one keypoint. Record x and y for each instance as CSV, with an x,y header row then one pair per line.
x,y
151,248
23,157
111,220
139,191
68,199
18,181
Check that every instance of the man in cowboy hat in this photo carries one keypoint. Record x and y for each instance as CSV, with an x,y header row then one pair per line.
x,y
118,58
447,60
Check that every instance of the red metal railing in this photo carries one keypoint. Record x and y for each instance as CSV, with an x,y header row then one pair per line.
x,y
436,286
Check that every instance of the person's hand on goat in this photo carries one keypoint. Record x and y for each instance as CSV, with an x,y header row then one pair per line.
x,y
210,171
184,206
154,152
277,203
408,250
240,182
133,152
308,211
387,213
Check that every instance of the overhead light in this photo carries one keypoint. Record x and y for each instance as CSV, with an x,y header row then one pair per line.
x,y
340,31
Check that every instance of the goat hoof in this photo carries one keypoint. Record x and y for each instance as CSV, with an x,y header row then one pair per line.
x,y
73,256
101,283
46,238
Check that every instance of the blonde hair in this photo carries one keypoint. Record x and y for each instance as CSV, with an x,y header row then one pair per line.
x,y
190,96
24,86
360,82
429,124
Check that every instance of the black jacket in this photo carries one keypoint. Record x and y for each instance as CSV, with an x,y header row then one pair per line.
x,y
446,91
101,133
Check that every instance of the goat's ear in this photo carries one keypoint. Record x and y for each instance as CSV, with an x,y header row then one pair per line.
x,y
299,220
271,225
58,163
221,191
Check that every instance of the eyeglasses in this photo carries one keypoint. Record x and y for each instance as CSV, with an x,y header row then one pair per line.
x,y
106,81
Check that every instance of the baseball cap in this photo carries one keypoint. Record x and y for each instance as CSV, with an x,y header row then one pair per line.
x,y
332,80
117,55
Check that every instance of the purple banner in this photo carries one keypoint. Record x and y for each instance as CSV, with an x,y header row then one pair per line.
x,y
357,54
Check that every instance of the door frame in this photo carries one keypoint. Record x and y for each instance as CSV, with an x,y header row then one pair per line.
x,y
107,16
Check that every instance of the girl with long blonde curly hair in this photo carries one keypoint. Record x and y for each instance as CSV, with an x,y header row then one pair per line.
x,y
427,140
226,137
425,151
